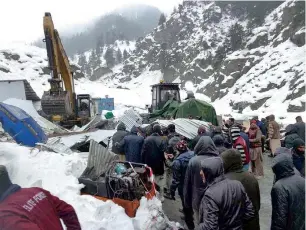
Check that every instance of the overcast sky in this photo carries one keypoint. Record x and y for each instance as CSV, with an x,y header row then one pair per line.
x,y
21,20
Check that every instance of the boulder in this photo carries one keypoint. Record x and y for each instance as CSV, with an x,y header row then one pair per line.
x,y
260,40
99,72
10,56
299,39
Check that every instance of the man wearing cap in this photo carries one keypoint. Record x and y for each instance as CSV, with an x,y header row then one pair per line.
x,y
32,208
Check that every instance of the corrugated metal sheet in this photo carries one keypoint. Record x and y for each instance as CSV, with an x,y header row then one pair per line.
x,y
185,127
99,158
63,143
56,145
131,118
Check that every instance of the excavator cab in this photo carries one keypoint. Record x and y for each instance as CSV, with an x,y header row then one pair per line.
x,y
163,92
84,107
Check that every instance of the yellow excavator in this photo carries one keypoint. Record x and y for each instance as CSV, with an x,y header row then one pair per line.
x,y
60,103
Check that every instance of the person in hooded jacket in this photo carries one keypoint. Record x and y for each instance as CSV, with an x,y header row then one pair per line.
x,y
225,205
193,186
298,155
287,195
179,168
117,138
202,131
288,152
132,146
32,208
219,143
290,136
152,154
233,170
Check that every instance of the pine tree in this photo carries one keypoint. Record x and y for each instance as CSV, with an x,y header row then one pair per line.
x,y
180,8
92,60
109,57
236,34
99,48
119,56
162,19
82,62
125,55
174,10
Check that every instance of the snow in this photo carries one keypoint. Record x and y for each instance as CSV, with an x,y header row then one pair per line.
x,y
58,174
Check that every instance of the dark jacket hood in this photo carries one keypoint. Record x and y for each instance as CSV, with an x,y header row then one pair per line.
x,y
134,130
282,150
121,127
231,160
206,146
282,166
290,129
218,140
297,143
213,169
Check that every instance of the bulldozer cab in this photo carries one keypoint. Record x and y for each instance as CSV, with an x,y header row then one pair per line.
x,y
163,92
84,106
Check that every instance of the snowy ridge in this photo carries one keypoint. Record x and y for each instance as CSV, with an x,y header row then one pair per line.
x,y
263,75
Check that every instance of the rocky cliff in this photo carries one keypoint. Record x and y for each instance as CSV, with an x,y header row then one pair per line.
x,y
248,56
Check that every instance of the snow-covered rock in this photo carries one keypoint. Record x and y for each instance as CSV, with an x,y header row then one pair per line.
x,y
263,73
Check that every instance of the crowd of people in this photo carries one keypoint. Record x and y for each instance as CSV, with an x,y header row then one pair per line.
x,y
216,174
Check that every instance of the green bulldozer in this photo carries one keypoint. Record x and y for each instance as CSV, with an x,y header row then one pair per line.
x,y
167,104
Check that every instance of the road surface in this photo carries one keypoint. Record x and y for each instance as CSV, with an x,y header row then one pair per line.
x,y
171,207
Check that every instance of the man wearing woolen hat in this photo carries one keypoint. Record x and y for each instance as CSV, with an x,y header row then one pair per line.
x,y
32,208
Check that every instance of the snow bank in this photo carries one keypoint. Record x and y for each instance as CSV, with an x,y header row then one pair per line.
x,y
58,173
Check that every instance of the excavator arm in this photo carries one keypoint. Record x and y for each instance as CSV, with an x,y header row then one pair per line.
x,y
58,100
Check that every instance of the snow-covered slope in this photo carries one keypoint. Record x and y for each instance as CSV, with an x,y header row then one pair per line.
x,y
95,63
30,63
240,65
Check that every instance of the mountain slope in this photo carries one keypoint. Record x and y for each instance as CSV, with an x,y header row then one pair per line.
x,y
127,23
245,61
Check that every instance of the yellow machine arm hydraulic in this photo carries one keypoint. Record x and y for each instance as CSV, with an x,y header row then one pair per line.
x,y
58,100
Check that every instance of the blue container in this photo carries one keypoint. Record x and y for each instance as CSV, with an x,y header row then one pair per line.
x,y
21,126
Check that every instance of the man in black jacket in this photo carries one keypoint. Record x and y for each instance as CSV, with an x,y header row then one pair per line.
x,y
233,169
194,187
153,155
288,196
202,131
300,125
132,146
225,204
219,143
118,137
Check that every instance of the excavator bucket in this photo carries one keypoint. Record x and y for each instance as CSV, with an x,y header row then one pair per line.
x,y
56,103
